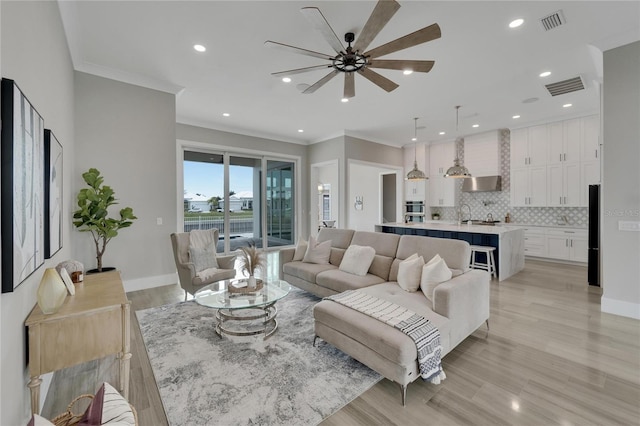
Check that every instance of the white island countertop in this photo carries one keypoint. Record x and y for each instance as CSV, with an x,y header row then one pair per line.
x,y
442,225
509,247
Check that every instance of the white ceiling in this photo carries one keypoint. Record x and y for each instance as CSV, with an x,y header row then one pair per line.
x,y
481,64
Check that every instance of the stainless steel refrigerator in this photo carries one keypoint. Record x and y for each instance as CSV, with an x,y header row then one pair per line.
x,y
593,273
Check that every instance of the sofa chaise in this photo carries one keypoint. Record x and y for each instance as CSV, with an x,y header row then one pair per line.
x,y
460,305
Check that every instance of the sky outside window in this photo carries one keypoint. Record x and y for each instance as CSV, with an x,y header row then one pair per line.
x,y
207,179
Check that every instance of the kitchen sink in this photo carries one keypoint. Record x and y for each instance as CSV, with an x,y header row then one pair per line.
x,y
485,222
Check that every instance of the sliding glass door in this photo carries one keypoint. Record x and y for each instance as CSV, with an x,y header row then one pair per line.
x,y
232,193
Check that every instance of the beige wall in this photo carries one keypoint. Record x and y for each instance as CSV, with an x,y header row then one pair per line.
x,y
620,250
34,53
128,133
363,150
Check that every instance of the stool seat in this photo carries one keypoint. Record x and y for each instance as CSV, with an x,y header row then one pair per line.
x,y
490,266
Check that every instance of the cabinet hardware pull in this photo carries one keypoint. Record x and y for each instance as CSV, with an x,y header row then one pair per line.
x,y
560,200
596,153
571,243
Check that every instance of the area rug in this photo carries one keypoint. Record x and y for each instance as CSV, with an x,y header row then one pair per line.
x,y
207,380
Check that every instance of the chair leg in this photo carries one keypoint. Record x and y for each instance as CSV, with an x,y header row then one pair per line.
x,y
403,389
314,340
185,295
487,323
492,259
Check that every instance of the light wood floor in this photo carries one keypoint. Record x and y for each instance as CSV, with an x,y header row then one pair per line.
x,y
550,357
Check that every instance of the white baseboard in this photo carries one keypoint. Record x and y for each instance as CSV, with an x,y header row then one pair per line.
x,y
620,307
149,282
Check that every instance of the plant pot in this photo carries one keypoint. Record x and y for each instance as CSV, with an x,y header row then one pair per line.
x,y
251,282
104,269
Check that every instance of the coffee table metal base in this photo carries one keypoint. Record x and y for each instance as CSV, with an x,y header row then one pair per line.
x,y
267,314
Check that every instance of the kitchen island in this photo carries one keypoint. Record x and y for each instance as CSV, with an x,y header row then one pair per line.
x,y
508,241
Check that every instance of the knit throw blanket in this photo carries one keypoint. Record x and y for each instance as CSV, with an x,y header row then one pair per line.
x,y
424,334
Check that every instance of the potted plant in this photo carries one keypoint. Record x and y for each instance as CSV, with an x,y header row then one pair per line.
x,y
250,261
92,214
435,216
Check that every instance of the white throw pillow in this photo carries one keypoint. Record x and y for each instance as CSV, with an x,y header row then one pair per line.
x,y
203,257
434,273
409,273
317,252
301,249
357,260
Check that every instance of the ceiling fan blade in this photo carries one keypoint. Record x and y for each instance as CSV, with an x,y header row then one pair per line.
x,y
299,70
299,50
378,79
319,22
381,14
424,35
391,64
318,84
349,86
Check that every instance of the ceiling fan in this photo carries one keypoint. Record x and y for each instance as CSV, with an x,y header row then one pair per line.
x,y
354,58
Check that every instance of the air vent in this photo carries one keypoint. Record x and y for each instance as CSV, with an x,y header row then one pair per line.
x,y
553,21
565,86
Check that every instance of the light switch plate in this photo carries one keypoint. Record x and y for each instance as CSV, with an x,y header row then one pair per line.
x,y
159,221
628,225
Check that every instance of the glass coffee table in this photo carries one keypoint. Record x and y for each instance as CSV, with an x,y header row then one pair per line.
x,y
241,311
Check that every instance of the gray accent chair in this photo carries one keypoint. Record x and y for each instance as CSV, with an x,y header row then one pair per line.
x,y
189,279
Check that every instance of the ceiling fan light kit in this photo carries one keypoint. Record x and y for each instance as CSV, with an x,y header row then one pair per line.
x,y
458,170
355,59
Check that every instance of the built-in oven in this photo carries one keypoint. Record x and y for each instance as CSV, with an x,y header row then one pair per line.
x,y
414,211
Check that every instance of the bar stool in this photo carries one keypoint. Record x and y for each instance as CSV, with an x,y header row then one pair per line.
x,y
490,266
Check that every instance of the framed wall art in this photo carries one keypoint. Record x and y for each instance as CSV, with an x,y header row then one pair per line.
x,y
52,194
22,200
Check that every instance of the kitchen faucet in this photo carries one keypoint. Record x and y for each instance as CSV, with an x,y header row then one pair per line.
x,y
460,213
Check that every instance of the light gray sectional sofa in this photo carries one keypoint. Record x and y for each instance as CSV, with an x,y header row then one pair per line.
x,y
459,306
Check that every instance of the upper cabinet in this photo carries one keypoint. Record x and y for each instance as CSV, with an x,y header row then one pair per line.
x,y
529,146
564,141
482,154
590,128
441,157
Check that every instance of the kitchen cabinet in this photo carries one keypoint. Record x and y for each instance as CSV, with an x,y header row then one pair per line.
x,y
415,190
441,157
442,191
564,141
563,185
567,244
590,135
529,146
529,187
535,243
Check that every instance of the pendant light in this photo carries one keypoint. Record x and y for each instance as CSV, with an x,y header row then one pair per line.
x,y
457,170
415,174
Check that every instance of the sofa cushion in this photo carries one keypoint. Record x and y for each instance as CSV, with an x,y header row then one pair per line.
x,y
434,273
357,259
390,343
301,249
409,272
385,246
340,238
317,252
306,271
340,281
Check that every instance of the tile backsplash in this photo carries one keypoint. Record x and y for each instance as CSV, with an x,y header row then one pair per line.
x,y
498,203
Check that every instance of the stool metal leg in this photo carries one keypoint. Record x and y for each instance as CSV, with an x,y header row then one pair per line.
x,y
492,264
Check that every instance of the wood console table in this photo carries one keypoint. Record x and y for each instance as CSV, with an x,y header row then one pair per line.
x,y
90,325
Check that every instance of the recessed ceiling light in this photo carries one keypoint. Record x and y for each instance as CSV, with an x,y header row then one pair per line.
x,y
407,72
516,23
414,139
286,79
441,133
300,131
344,100
226,114
199,48
476,125
545,74
530,100
515,116
567,105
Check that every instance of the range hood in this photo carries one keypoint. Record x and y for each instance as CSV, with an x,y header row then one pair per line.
x,y
482,184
